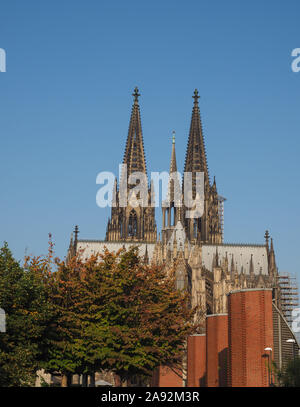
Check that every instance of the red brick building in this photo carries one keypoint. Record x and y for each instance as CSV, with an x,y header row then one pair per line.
x,y
196,361
166,377
250,332
216,350
238,347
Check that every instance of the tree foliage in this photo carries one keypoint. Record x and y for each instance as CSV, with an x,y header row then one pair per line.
x,y
22,296
106,312
117,314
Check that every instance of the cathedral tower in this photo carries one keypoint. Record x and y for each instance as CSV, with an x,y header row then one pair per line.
x,y
133,220
207,228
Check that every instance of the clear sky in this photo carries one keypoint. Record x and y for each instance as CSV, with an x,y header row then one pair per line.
x,y
66,99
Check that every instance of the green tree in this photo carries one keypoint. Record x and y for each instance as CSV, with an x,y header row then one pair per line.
x,y
22,296
117,314
64,291
148,320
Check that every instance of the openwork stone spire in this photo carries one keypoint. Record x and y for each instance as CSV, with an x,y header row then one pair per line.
x,y
134,155
206,229
131,222
195,159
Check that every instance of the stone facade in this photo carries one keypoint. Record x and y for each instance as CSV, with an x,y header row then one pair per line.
x,y
204,265
193,248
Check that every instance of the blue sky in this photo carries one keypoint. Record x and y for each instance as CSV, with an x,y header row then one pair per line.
x,y
66,99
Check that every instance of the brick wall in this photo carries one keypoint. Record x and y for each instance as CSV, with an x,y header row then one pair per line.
x,y
166,377
216,350
250,331
196,357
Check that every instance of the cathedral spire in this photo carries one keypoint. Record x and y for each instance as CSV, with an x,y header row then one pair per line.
x,y
174,190
134,221
271,246
195,159
171,207
251,267
267,237
134,155
271,259
71,250
146,256
173,164
207,227
76,232
232,265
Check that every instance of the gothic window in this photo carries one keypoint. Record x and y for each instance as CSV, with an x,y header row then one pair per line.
x,y
180,280
195,229
121,226
132,224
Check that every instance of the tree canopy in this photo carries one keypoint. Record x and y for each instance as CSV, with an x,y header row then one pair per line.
x,y
22,296
106,312
117,314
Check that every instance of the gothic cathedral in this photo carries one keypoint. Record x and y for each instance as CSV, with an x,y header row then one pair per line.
x,y
192,246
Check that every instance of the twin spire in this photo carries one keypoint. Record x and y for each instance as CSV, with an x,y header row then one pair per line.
x,y
134,155
136,223
195,159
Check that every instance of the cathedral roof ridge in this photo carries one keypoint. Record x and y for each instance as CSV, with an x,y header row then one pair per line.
x,y
235,244
133,243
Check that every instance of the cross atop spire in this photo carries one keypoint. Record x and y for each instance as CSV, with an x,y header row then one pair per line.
x,y
196,96
136,94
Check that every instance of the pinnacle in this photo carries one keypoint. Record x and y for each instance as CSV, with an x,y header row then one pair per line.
x,y
173,164
174,183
